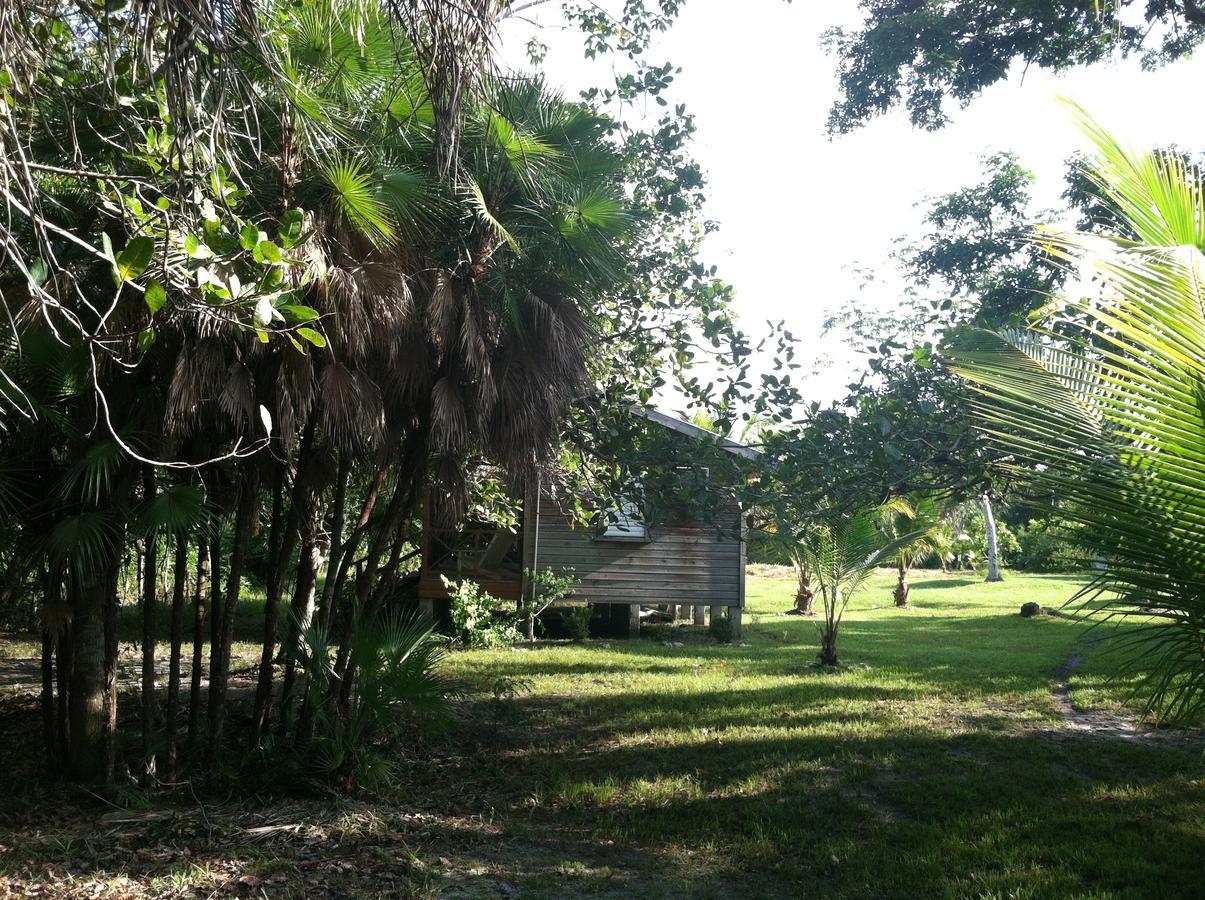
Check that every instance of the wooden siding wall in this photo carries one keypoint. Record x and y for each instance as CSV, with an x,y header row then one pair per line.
x,y
685,564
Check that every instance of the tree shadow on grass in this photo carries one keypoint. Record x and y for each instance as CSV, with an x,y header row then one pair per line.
x,y
848,802
721,782
967,656
856,814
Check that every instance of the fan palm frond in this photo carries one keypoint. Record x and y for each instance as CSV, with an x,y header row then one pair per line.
x,y
355,193
84,543
178,509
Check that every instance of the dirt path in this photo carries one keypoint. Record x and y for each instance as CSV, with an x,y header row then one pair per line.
x,y
1107,725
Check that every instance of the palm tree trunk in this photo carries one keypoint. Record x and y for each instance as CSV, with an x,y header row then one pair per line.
x,y
335,551
86,751
993,551
50,741
399,504
277,542
198,640
336,591
110,603
902,588
283,541
349,555
63,675
828,631
179,583
302,612
149,566
244,518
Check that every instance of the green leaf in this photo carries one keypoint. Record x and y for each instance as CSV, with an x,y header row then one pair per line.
x,y
133,260
39,272
195,248
156,296
294,313
146,338
309,334
355,192
249,236
266,251
291,224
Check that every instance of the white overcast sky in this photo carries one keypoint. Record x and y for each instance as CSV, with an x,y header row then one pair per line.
x,y
798,211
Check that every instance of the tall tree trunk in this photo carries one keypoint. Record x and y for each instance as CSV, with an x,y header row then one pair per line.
x,y
352,544
902,589
302,610
150,566
275,587
50,741
52,623
993,551
179,584
86,727
244,519
111,606
805,597
198,640
398,506
281,546
63,675
335,550
349,555
215,610
120,504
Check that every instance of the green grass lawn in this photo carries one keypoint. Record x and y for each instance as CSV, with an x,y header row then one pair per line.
x,y
935,763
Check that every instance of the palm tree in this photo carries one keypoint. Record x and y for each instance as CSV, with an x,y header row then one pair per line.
x,y
1101,406
918,516
840,553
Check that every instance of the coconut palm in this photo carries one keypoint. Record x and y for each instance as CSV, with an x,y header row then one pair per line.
x,y
1108,415
918,516
840,552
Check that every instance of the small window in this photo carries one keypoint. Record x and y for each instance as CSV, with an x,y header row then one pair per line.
x,y
624,524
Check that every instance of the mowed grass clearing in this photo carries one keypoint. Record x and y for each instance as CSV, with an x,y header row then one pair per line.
x,y
936,763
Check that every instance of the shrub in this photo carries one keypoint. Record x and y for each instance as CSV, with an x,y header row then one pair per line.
x,y
576,620
398,685
721,629
1045,547
479,619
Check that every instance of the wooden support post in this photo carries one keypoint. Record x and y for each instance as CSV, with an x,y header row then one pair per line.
x,y
734,613
717,612
426,606
700,615
633,620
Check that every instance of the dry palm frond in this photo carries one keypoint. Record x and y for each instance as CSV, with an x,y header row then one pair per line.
x,y
237,400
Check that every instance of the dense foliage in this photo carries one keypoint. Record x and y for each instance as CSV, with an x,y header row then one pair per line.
x,y
270,278
1120,435
921,53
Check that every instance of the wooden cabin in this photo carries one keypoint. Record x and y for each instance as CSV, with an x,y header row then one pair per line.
x,y
625,565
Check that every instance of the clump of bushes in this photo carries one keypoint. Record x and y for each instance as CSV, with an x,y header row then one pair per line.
x,y
1046,547
479,619
721,629
575,620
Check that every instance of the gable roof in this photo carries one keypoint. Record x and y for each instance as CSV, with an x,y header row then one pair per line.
x,y
694,431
